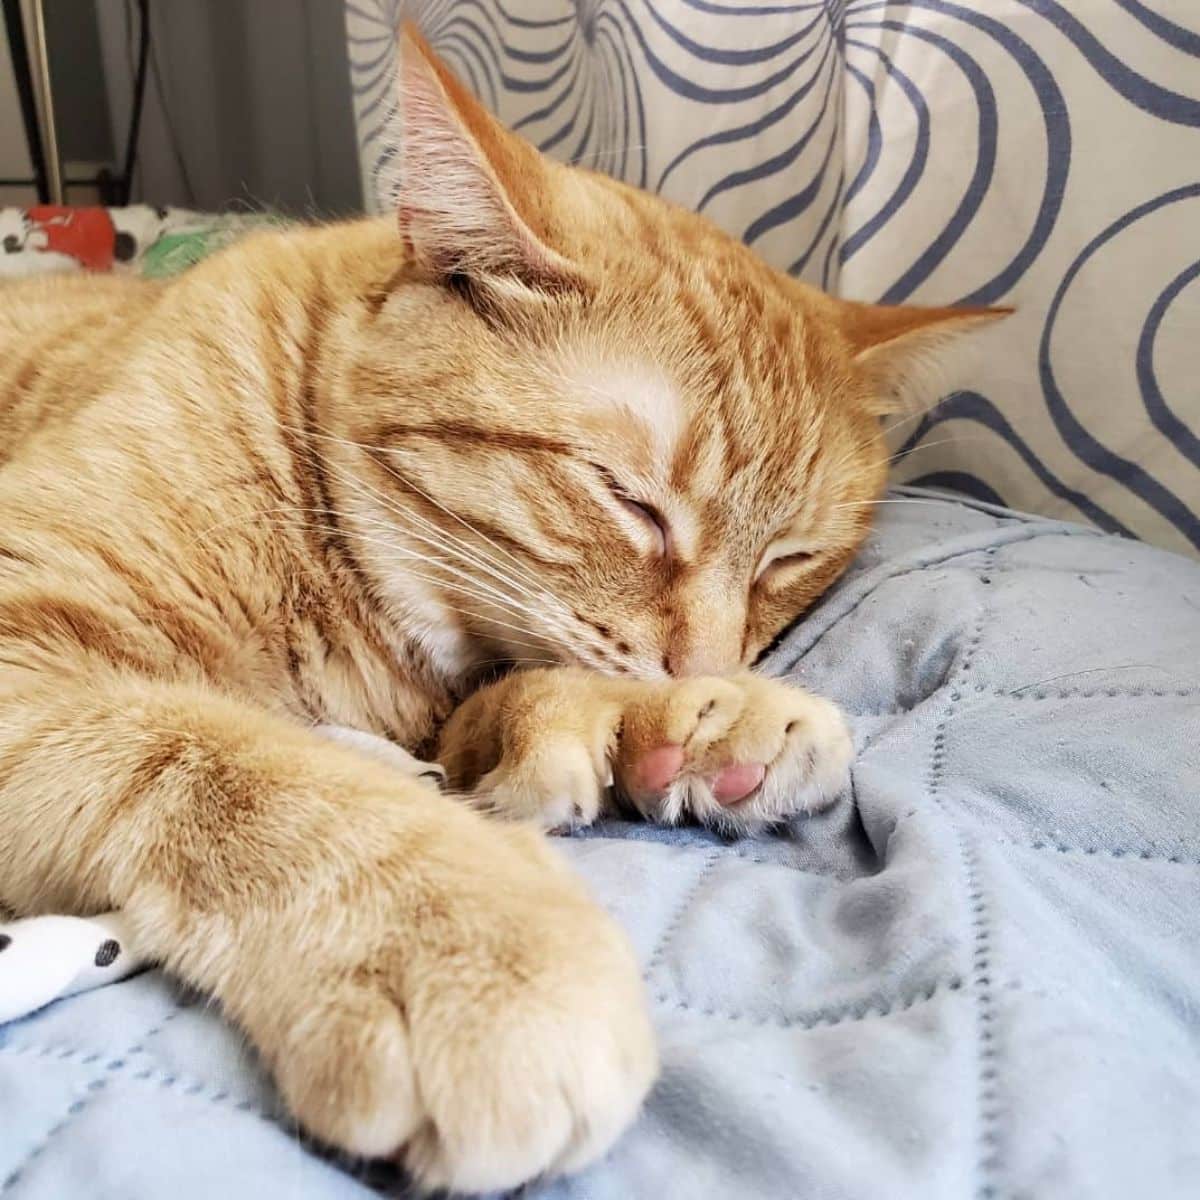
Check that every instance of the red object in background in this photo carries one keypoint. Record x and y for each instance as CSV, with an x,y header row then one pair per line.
x,y
86,234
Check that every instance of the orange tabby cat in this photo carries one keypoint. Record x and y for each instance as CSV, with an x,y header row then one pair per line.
x,y
265,525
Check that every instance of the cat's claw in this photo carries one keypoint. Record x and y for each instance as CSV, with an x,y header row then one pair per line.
x,y
559,787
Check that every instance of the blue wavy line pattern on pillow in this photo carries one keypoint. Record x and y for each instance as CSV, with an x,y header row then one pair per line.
x,y
1037,153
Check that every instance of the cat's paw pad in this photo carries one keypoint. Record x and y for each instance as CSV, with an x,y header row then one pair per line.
x,y
732,753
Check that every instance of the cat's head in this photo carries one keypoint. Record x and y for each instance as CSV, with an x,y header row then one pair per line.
x,y
604,431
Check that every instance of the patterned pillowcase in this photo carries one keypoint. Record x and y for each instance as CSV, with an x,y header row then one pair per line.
x,y
1042,153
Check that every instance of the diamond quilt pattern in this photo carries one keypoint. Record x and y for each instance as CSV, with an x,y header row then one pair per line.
x,y
976,976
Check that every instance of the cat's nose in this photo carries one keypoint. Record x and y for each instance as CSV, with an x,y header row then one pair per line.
x,y
707,627
684,661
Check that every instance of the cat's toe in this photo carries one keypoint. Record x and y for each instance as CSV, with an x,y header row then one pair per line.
x,y
346,1071
737,782
559,786
809,768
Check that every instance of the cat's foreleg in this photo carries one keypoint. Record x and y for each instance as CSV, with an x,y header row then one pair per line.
x,y
51,957
421,981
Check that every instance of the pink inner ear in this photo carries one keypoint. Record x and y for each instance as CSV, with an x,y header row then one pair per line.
x,y
451,206
461,181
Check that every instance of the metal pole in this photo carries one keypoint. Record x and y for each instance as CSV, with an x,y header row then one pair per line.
x,y
46,103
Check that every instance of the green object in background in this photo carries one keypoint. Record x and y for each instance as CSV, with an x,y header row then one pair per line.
x,y
175,252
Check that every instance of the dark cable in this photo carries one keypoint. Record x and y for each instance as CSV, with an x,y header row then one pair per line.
x,y
139,98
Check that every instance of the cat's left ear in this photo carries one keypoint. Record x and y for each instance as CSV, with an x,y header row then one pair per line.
x,y
473,199
904,349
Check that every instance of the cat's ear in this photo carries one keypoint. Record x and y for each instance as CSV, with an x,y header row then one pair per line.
x,y
472,198
905,350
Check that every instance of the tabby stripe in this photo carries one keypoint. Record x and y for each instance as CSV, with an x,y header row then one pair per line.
x,y
332,543
49,622
395,479
463,431
312,477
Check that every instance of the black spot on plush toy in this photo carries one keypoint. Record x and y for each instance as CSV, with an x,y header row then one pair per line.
x,y
45,958
108,953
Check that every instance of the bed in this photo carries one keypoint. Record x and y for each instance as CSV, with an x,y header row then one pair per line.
x,y
977,975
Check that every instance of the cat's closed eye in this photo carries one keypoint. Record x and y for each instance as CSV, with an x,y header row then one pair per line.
x,y
780,564
649,516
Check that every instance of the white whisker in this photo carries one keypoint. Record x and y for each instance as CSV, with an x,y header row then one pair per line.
x,y
916,416
556,623
495,595
873,503
950,441
405,482
457,588
447,543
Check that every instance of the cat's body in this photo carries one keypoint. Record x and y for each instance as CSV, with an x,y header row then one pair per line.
x,y
329,480
171,436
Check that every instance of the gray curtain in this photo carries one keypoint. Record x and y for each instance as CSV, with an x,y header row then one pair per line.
x,y
247,104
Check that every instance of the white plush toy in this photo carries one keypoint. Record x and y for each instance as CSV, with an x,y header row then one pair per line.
x,y
45,958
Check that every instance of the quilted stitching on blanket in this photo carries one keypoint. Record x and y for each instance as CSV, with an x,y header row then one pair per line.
x,y
976,976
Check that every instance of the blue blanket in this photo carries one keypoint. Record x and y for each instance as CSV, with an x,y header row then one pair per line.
x,y
977,976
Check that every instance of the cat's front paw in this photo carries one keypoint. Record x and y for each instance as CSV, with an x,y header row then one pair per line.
x,y
735,753
491,1031
537,746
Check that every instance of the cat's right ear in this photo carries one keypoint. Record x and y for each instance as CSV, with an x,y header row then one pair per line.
x,y
473,200
901,348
